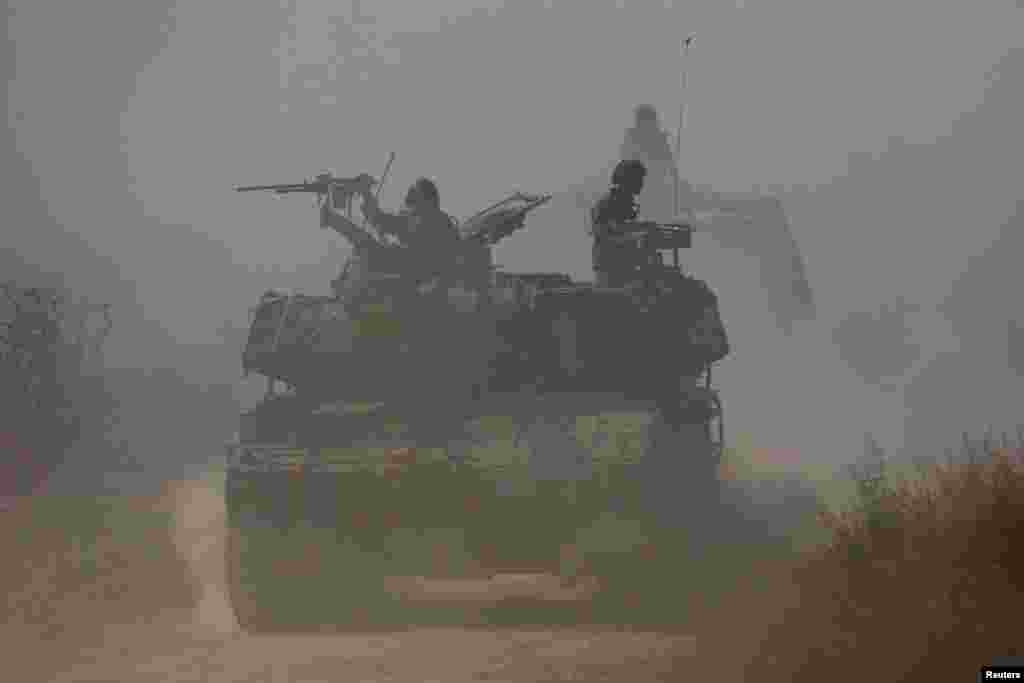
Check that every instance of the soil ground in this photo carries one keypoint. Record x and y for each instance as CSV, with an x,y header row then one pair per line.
x,y
165,617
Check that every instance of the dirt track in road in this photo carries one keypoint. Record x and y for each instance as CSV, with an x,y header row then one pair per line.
x,y
195,638
449,655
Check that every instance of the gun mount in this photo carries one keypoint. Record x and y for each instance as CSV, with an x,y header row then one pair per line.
x,y
499,220
344,188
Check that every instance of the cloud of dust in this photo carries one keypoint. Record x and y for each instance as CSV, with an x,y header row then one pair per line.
x,y
200,538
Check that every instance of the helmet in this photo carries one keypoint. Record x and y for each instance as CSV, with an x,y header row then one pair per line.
x,y
628,170
425,188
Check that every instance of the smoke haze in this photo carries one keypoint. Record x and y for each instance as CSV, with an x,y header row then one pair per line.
x,y
896,169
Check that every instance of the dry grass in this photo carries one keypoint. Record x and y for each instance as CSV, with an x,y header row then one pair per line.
x,y
117,611
922,579
922,582
65,575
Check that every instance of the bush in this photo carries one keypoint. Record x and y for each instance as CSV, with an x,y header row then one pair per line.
x,y
922,579
52,395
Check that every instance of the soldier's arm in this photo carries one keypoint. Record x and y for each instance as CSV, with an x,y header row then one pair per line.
x,y
340,223
386,223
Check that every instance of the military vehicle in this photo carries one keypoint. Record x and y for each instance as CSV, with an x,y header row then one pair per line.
x,y
407,374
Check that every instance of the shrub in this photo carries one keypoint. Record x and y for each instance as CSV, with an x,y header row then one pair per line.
x,y
922,578
52,394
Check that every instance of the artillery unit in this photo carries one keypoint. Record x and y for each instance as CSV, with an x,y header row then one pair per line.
x,y
406,374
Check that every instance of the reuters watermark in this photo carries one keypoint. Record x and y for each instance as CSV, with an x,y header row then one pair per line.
x,y
1002,672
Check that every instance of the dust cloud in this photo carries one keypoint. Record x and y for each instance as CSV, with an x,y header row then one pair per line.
x,y
114,191
147,632
200,538
118,187
912,273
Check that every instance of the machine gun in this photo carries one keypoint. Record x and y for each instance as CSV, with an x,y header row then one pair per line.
x,y
493,224
318,185
344,188
651,240
653,235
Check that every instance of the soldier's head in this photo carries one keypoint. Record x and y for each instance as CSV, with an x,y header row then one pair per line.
x,y
645,115
422,196
629,175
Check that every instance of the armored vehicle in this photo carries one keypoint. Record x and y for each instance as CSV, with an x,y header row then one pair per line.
x,y
400,383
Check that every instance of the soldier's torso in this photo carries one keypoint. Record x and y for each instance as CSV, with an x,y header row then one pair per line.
x,y
612,209
432,243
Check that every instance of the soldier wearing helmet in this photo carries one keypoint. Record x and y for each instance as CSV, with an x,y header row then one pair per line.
x,y
615,260
426,234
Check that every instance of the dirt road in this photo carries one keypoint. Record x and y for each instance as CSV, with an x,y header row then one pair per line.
x,y
164,653
202,642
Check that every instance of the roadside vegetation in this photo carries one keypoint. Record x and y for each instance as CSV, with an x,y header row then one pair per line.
x,y
920,580
902,573
52,390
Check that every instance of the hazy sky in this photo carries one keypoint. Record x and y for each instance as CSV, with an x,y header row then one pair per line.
x,y
484,98
781,92
137,123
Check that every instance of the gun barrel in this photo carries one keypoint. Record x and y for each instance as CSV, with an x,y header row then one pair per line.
x,y
318,186
294,187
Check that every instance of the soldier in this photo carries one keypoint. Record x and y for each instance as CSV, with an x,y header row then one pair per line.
x,y
433,263
423,228
615,260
